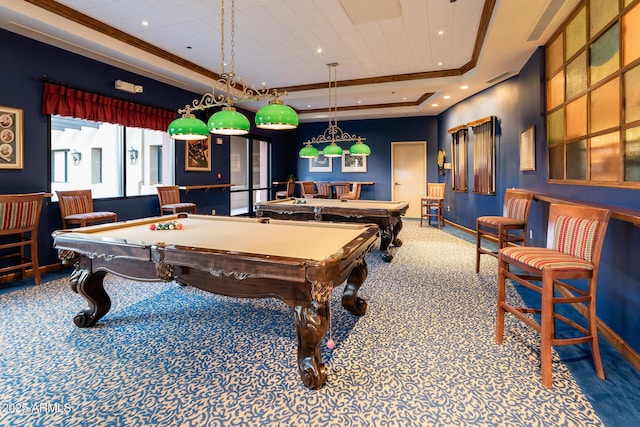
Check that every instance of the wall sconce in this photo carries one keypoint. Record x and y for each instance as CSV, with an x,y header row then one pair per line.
x,y
76,156
133,155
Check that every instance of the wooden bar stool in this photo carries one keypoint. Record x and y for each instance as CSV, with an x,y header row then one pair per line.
x,y
508,229
169,198
19,219
285,194
76,208
354,194
432,206
575,235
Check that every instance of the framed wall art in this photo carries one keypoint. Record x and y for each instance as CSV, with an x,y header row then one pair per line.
x,y
353,163
10,138
321,164
198,155
528,149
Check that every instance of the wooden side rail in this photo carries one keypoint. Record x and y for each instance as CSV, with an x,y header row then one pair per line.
x,y
620,213
205,187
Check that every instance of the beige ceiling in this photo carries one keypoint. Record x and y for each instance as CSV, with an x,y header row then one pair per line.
x,y
393,61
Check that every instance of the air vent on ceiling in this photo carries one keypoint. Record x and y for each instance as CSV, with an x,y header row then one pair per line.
x,y
501,77
545,20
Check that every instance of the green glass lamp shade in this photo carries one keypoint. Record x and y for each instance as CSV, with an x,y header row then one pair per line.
x,y
229,122
276,116
308,152
332,150
188,128
359,149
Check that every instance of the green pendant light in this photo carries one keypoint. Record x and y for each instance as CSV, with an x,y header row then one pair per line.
x,y
188,128
229,122
359,149
308,152
276,116
332,150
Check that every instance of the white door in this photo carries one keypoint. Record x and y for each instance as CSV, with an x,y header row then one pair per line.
x,y
409,174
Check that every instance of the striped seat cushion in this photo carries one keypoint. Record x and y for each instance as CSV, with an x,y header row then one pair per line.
x,y
540,258
497,220
18,215
178,206
516,208
90,216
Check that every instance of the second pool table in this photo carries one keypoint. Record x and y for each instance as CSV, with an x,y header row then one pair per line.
x,y
386,214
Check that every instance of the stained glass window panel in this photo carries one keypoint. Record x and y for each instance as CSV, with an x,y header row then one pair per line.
x,y
632,95
555,126
577,160
601,12
555,91
576,34
605,157
576,76
632,154
556,162
555,55
631,35
605,106
576,120
605,55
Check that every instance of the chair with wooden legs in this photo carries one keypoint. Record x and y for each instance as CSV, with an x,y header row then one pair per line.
x,y
324,190
19,219
308,190
354,194
76,208
575,235
285,194
508,229
169,198
341,189
432,206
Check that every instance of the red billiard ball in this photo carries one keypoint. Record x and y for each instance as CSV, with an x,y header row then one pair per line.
x,y
152,227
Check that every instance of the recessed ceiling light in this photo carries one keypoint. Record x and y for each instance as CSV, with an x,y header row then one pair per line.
x,y
440,64
464,87
441,32
319,50
145,23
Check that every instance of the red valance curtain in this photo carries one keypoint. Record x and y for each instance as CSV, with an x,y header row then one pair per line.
x,y
76,103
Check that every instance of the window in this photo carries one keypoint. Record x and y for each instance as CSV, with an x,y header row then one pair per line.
x,y
459,153
593,75
111,160
484,155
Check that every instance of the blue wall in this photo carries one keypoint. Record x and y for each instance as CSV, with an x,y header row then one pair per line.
x,y
379,134
518,103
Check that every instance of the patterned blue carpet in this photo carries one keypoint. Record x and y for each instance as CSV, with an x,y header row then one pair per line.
x,y
424,354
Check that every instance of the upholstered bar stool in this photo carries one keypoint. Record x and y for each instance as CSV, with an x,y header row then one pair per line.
x,y
508,229
432,206
169,198
575,235
19,218
76,208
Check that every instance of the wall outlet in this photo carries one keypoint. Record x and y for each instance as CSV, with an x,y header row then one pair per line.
x,y
213,211
531,234
448,208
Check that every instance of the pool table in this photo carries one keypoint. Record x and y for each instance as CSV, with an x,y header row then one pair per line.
x,y
299,263
386,214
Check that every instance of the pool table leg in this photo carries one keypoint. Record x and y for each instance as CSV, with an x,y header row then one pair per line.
x,y
311,326
350,299
91,288
388,235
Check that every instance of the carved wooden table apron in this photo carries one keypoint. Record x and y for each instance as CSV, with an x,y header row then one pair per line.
x,y
242,257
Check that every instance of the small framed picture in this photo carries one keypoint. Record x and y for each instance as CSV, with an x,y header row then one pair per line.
x,y
321,164
353,163
10,138
198,155
528,149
